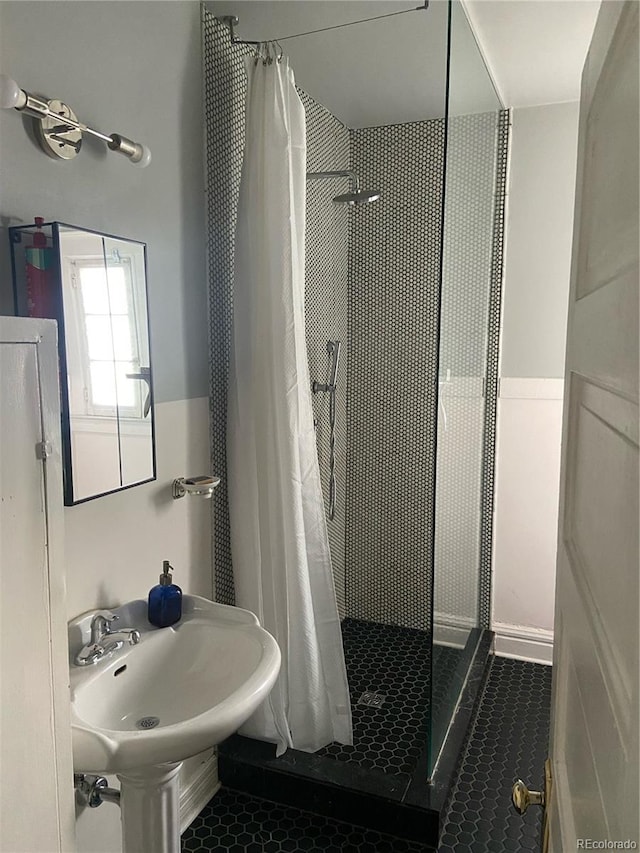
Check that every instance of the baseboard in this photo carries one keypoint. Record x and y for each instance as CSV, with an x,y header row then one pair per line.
x,y
198,790
522,643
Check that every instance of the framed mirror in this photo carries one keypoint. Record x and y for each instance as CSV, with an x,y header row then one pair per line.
x,y
94,285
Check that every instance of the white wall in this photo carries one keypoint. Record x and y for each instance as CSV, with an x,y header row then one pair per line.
x,y
536,289
115,545
539,233
132,68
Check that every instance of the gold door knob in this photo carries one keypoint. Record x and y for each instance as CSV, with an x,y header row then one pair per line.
x,y
523,798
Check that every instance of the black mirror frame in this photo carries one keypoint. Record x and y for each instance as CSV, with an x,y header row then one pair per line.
x,y
16,234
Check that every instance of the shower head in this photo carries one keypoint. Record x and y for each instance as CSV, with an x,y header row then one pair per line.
x,y
356,196
360,197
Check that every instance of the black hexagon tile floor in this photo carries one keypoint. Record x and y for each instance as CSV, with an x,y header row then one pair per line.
x,y
508,739
389,670
390,665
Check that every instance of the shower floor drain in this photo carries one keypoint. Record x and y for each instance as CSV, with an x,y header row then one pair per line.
x,y
374,700
147,722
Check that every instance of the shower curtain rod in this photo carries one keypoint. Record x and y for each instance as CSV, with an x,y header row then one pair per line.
x,y
232,21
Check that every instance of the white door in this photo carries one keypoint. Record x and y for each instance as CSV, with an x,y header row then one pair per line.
x,y
596,717
36,774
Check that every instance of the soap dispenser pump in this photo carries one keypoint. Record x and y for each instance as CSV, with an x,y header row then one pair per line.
x,y
165,600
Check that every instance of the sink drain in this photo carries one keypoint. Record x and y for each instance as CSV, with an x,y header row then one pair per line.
x,y
147,722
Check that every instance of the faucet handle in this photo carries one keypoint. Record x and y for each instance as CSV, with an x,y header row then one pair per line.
x,y
107,616
100,623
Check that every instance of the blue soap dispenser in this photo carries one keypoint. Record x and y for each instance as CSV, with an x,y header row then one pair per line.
x,y
165,600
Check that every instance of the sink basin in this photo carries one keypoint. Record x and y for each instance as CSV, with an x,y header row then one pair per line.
x,y
177,692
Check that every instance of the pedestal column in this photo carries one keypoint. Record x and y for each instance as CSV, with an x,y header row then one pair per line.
x,y
150,804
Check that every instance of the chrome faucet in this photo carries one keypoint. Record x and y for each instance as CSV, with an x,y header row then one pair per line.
x,y
104,642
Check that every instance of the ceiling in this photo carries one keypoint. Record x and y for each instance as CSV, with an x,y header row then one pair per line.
x,y
382,72
394,70
535,49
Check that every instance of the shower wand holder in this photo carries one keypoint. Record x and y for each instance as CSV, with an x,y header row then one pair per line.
x,y
333,351
321,387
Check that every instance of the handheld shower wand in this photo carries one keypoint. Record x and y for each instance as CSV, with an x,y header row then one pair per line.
x,y
333,350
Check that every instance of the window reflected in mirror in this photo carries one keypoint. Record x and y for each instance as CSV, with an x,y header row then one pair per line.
x,y
95,286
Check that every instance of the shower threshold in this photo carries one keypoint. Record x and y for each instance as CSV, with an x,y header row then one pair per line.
x,y
381,781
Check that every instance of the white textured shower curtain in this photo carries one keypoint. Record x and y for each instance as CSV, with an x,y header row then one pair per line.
x,y
280,550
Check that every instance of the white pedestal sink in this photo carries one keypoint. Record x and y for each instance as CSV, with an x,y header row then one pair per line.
x,y
143,710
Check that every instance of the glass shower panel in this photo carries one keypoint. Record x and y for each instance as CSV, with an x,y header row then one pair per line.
x,y
470,186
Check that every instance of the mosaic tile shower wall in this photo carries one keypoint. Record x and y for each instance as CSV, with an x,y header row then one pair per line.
x,y
466,288
224,96
393,315
493,367
326,248
372,282
394,270
326,277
